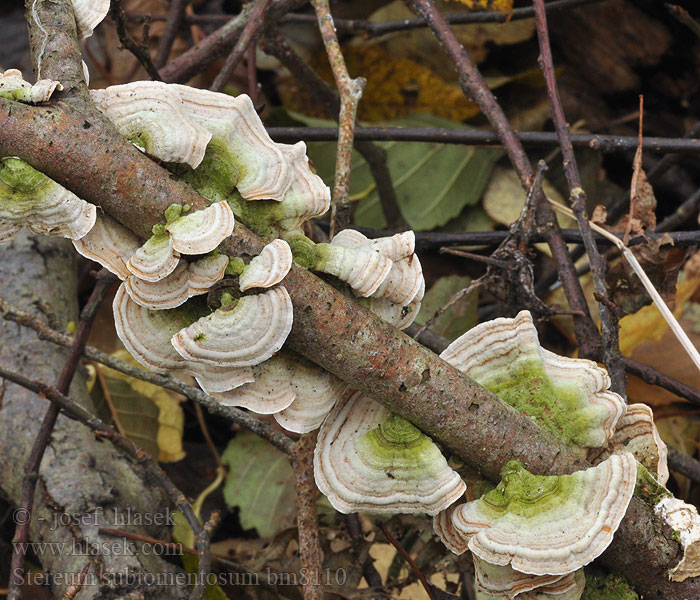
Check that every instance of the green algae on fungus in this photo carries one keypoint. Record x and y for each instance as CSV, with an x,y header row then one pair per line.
x,y
648,489
548,525
200,231
30,199
568,397
156,259
363,270
13,87
368,459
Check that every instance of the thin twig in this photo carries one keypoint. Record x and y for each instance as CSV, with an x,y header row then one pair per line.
x,y
307,517
682,463
251,32
350,93
240,417
141,53
607,144
474,87
102,382
43,437
577,197
77,585
488,260
682,16
172,24
369,572
207,436
375,155
474,285
409,559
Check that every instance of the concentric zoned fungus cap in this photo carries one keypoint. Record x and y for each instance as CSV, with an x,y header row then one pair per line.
x,y
363,270
636,433
368,459
684,520
150,115
201,231
269,268
505,581
566,396
28,198
445,530
110,244
316,393
89,14
156,259
405,283
307,196
13,87
243,333
146,335
396,247
186,281
263,173
271,391
549,525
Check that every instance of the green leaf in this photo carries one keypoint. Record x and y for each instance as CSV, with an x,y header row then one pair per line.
x,y
433,181
456,319
260,482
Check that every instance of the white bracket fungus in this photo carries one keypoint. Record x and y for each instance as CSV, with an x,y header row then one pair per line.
x,y
201,231
13,87
244,333
30,199
368,459
146,334
569,397
110,244
89,14
636,432
269,268
186,281
549,525
683,519
156,259
150,115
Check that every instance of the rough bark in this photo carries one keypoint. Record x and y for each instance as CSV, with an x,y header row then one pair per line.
x,y
330,328
83,483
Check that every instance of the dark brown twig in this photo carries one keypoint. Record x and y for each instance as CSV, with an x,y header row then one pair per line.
x,y
409,559
350,93
172,24
21,536
139,51
307,517
369,572
375,155
76,586
251,32
479,137
474,87
655,377
682,463
682,16
577,197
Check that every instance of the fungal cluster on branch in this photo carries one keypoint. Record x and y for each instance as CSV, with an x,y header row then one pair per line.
x,y
185,306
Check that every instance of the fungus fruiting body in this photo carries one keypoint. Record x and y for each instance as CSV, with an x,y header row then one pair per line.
x,y
368,459
269,267
14,87
684,520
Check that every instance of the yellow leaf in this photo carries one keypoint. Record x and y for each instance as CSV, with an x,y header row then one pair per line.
x,y
501,5
648,324
171,419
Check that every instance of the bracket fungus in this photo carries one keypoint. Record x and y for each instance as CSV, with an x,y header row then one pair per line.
x,y
110,244
147,334
549,525
569,397
30,199
270,393
269,267
636,433
200,231
186,281
684,520
89,14
241,333
150,115
14,87
156,259
368,459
